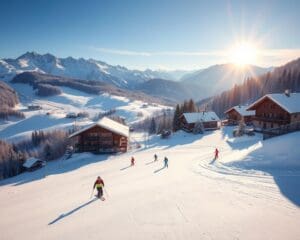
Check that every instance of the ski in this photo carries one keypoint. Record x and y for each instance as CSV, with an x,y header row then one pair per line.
x,y
101,198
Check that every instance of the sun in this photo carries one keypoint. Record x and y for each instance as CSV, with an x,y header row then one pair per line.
x,y
243,54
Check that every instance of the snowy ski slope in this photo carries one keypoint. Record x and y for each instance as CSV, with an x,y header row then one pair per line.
x,y
242,195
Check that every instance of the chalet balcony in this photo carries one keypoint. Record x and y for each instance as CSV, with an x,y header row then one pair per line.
x,y
272,119
99,148
98,138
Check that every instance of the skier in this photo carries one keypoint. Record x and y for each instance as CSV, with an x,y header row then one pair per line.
x,y
166,160
155,157
99,184
132,161
216,154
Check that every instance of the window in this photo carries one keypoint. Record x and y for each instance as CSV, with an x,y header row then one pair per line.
x,y
107,134
93,134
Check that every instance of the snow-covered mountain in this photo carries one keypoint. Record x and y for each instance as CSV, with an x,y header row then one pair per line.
x,y
87,69
174,75
218,78
208,82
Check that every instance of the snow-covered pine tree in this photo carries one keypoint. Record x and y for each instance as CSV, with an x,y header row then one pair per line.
x,y
152,128
176,121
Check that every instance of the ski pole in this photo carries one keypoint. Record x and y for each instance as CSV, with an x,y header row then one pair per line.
x,y
106,192
92,193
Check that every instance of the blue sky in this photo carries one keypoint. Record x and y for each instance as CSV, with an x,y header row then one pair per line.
x,y
151,34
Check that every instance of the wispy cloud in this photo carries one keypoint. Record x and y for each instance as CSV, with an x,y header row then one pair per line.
x,y
287,53
276,57
121,52
264,58
161,53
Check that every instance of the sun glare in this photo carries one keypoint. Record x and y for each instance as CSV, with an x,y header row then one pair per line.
x,y
243,54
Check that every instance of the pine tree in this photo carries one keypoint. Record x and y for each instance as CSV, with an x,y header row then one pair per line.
x,y
192,106
47,152
152,128
176,120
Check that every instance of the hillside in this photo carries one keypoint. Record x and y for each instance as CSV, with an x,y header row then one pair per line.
x,y
218,78
8,100
8,97
36,79
195,198
54,109
170,90
276,81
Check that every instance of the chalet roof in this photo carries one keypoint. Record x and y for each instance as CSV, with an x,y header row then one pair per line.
x,y
107,124
242,110
30,162
290,103
200,116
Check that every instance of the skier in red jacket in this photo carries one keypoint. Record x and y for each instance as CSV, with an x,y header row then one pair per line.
x,y
216,154
99,184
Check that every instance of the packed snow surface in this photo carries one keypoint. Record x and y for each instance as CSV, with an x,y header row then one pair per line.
x,y
242,195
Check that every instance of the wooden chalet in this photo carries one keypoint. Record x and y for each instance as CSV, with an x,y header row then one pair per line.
x,y
239,113
276,110
209,120
104,136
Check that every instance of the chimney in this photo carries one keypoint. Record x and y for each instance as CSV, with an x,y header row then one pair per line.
x,y
287,92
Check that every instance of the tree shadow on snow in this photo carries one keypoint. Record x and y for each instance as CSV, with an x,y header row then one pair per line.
x,y
72,211
289,187
271,157
55,167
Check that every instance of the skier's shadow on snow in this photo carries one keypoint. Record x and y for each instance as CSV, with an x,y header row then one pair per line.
x,y
124,168
148,163
213,161
72,211
158,170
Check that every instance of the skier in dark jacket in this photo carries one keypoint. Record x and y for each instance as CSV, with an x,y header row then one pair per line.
x,y
99,184
132,161
166,160
155,157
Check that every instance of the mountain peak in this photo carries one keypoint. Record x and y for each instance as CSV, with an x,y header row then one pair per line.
x,y
29,55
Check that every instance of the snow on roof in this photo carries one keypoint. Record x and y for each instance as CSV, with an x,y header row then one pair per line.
x,y
29,162
108,124
242,110
200,116
289,103
114,126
